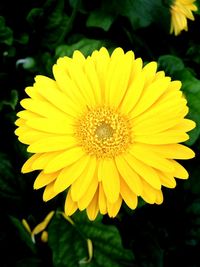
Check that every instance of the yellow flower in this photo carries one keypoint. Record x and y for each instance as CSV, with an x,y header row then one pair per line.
x,y
107,129
181,10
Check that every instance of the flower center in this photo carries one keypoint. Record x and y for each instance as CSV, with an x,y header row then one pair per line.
x,y
103,132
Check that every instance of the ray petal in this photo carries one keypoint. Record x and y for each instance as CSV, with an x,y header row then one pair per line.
x,y
129,175
70,173
82,183
110,179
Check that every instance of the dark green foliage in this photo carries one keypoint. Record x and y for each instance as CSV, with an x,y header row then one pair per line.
x,y
70,249
33,34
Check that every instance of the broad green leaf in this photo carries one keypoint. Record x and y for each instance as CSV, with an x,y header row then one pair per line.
x,y
12,102
24,235
52,21
194,52
6,34
7,181
170,63
85,45
101,19
70,248
141,13
34,15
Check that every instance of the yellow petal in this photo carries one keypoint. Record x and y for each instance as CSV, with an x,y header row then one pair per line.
x,y
113,208
70,205
128,196
155,125
116,58
30,136
167,179
120,77
81,184
26,225
20,122
84,202
51,126
110,179
49,90
70,173
81,81
94,80
145,171
129,175
149,193
27,167
53,143
166,137
159,197
133,93
102,200
101,60
173,151
78,57
43,160
27,115
64,159
43,108
93,209
67,85
44,236
33,93
149,157
49,192
44,179
150,95
42,226
175,106
180,172
185,125
149,71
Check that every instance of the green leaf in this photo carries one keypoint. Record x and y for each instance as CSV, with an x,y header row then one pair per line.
x,y
23,234
85,45
6,34
170,64
34,15
101,19
51,22
12,102
7,181
141,13
194,52
69,243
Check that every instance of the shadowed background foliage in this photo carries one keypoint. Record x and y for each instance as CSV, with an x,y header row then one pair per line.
x,y
33,34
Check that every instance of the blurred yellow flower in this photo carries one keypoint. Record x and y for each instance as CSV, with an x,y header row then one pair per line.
x,y
106,130
181,10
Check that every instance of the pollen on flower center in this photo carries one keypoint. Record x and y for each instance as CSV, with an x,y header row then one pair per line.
x,y
103,132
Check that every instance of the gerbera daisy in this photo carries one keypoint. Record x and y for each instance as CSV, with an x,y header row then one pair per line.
x,y
106,130
181,10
